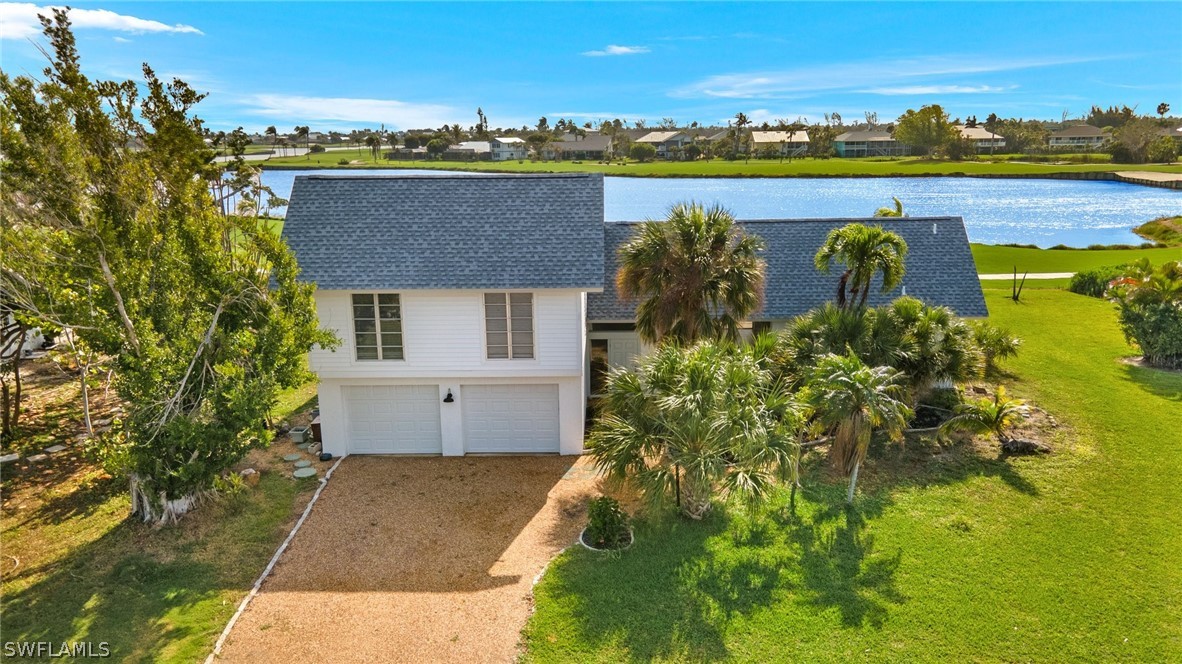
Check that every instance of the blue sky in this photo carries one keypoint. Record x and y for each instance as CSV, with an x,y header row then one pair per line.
x,y
347,65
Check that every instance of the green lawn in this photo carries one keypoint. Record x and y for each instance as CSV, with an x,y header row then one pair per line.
x,y
993,259
77,568
722,168
957,556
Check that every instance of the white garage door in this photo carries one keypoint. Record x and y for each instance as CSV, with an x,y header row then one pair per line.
x,y
510,418
394,419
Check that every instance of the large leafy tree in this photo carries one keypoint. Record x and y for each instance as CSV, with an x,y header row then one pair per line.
x,y
106,203
865,251
691,423
852,401
697,275
926,129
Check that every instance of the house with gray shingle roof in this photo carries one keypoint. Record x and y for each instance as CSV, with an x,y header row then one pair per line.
x,y
476,311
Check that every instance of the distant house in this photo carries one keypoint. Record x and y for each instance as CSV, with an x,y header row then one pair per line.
x,y
591,146
316,137
983,139
786,143
469,151
666,142
869,143
507,148
1079,137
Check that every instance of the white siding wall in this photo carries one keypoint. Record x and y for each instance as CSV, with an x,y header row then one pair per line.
x,y
443,335
444,344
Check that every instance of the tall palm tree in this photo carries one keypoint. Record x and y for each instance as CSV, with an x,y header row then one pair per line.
x,y
303,131
853,400
865,251
697,273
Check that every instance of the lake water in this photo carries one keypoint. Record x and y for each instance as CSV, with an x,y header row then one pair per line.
x,y
1027,211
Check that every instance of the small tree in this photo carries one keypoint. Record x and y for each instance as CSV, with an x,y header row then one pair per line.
x,y
1150,308
642,152
436,147
852,401
994,342
693,423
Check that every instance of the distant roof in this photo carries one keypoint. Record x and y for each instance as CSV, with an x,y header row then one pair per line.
x,y
865,135
448,231
1079,131
658,136
940,267
592,142
474,146
976,133
508,139
780,136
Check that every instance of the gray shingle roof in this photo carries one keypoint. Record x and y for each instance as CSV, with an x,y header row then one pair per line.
x,y
448,231
940,267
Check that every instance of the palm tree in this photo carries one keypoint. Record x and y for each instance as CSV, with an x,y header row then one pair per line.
x,y
741,122
988,416
690,423
852,400
303,132
272,133
865,251
896,211
698,275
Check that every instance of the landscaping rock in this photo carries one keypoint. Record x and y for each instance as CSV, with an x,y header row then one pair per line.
x,y
1019,446
293,457
304,472
250,476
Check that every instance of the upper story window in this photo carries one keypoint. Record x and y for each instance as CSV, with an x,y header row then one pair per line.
x,y
377,326
509,325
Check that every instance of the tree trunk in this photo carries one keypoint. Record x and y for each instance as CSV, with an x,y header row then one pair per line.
x,y
841,286
695,499
849,496
84,371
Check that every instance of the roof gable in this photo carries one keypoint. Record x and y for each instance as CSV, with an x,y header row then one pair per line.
x,y
448,231
940,267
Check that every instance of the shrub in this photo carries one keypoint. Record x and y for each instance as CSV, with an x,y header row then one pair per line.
x,y
1150,303
607,524
994,342
1094,282
642,152
316,148
1163,150
342,162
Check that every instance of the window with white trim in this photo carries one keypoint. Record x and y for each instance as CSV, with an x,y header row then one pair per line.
x,y
509,326
377,326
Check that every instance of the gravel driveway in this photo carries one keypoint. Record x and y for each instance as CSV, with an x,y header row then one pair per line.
x,y
416,559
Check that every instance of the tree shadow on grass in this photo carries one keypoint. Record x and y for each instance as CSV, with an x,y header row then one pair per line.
x,y
841,569
1164,383
152,594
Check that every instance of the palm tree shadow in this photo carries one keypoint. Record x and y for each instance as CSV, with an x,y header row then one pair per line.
x,y
1164,383
841,569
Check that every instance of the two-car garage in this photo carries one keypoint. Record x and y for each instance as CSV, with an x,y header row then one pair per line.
x,y
413,419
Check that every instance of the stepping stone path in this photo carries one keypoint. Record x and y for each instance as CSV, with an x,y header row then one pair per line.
x,y
303,446
7,458
37,458
55,449
303,463
293,457
304,472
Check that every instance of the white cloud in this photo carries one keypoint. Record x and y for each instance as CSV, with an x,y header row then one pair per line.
x,y
802,81
18,20
613,49
122,40
394,114
938,89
